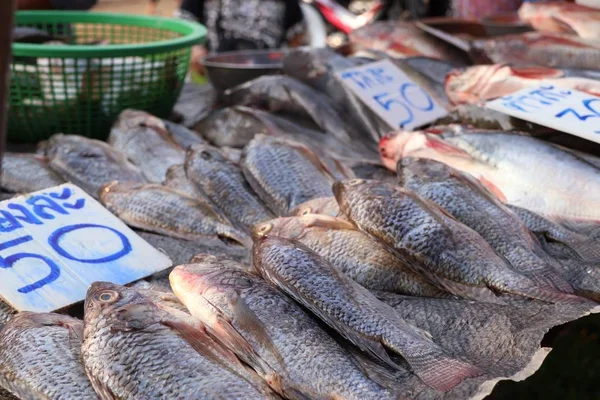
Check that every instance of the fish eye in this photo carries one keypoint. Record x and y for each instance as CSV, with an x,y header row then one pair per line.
x,y
265,228
306,211
107,296
355,182
205,155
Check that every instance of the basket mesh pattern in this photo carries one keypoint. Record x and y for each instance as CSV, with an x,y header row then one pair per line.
x,y
85,95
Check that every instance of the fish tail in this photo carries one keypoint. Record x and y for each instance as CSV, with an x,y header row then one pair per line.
x,y
587,250
548,295
438,370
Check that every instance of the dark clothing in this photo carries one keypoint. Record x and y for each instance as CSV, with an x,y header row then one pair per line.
x,y
246,24
73,4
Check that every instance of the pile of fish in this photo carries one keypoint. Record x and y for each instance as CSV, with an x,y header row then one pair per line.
x,y
316,255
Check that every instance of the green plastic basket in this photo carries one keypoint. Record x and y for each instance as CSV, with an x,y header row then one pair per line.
x,y
81,87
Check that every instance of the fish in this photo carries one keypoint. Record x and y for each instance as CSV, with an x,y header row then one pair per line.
x,y
319,69
495,337
584,276
580,245
161,295
147,143
177,179
469,202
481,83
560,16
304,357
158,209
355,254
369,170
128,340
224,183
448,253
279,93
551,50
183,136
234,155
354,312
25,173
6,312
181,251
40,357
230,126
89,163
321,205
283,173
520,170
401,40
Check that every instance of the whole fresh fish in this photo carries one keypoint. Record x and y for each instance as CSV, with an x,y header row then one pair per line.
x,y
147,143
580,245
323,205
354,312
177,179
132,349
224,183
470,203
481,83
518,169
181,251
162,210
448,253
400,40
40,357
88,163
364,260
183,136
24,173
307,360
283,173
318,68
279,93
560,16
553,50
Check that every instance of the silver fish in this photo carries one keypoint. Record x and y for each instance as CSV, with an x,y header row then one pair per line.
x,y
25,173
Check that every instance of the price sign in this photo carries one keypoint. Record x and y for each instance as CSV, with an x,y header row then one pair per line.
x,y
565,110
54,243
392,95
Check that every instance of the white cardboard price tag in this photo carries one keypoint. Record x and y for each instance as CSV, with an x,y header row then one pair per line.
x,y
54,243
565,110
392,95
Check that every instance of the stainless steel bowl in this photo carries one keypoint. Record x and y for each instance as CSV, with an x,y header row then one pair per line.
x,y
229,69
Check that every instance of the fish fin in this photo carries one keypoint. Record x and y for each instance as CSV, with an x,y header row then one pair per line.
x,y
547,295
247,319
548,278
368,345
493,188
587,250
325,221
478,293
311,156
200,341
226,334
375,371
477,187
439,370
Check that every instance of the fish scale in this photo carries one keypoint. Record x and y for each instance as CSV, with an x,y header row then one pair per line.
x,y
447,252
164,211
224,183
134,350
307,358
25,173
282,175
354,312
40,357
470,203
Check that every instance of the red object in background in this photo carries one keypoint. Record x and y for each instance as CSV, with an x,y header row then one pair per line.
x,y
345,20
483,8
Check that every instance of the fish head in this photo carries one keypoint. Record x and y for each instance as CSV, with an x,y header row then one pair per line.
x,y
118,306
130,119
115,195
291,228
204,157
416,171
321,205
211,283
396,145
349,192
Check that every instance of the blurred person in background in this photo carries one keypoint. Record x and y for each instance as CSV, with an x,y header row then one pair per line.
x,y
55,4
244,25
